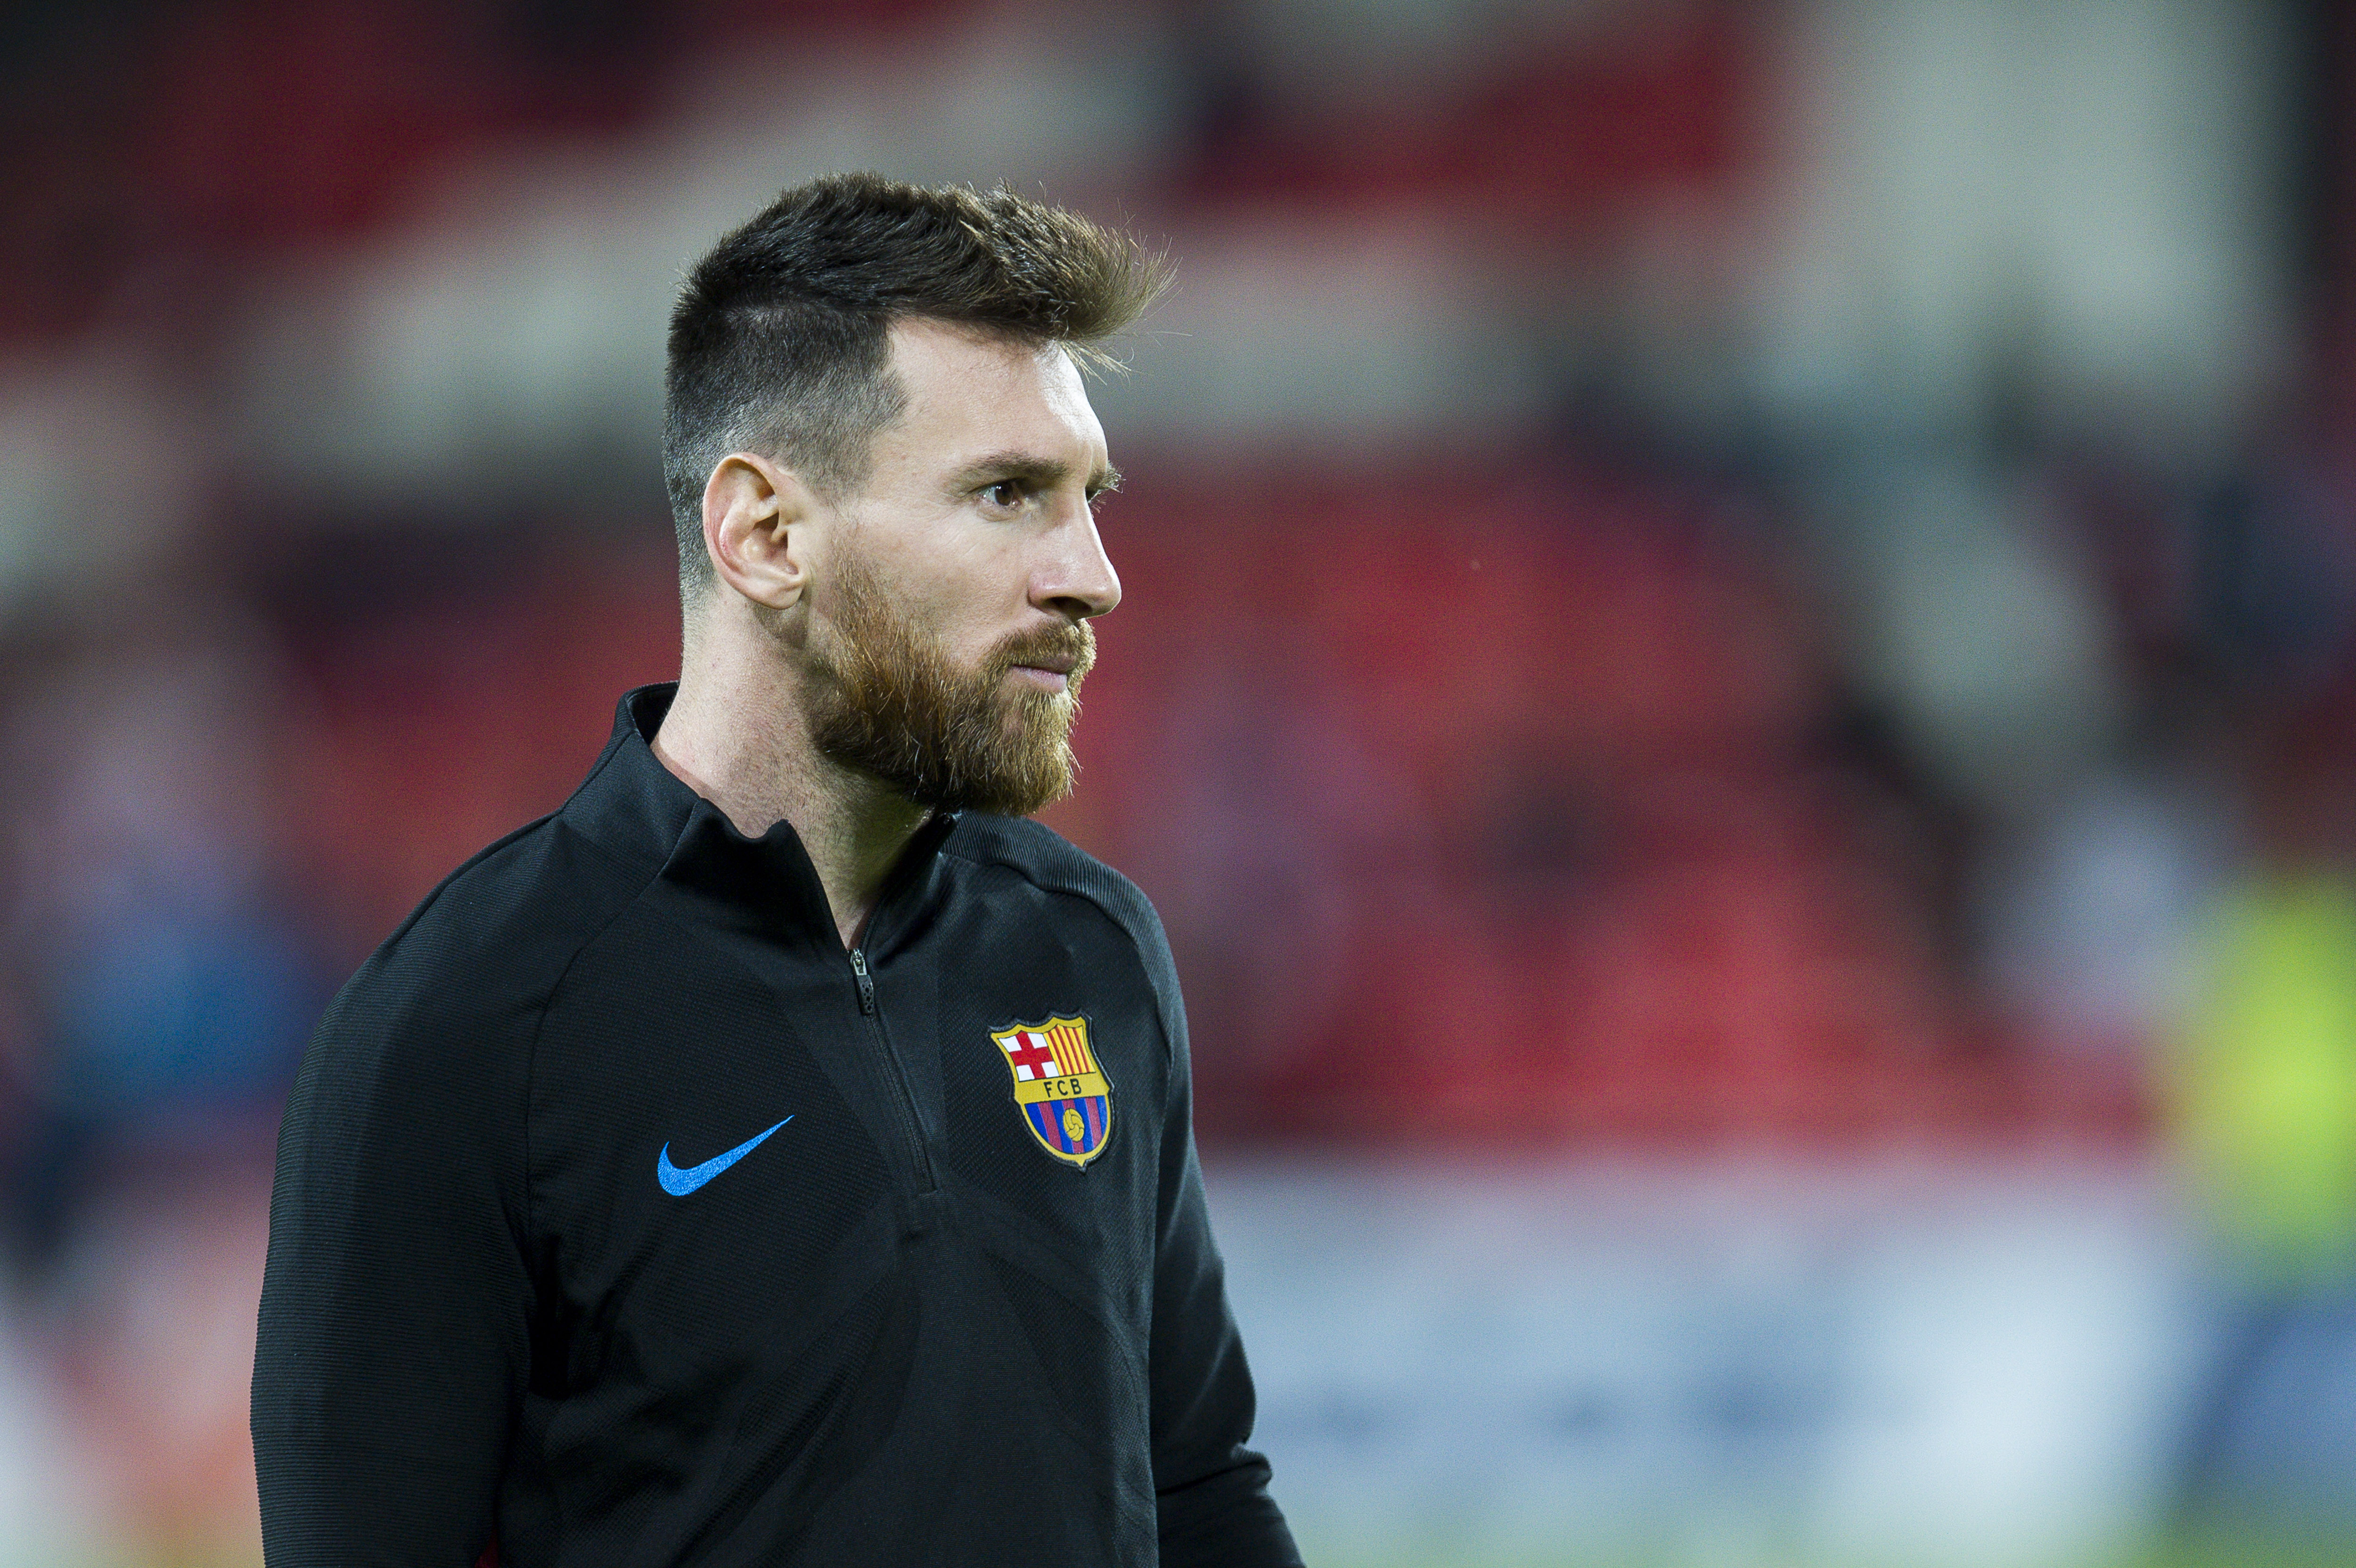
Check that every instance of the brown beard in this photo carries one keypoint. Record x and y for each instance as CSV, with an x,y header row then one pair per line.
x,y
888,702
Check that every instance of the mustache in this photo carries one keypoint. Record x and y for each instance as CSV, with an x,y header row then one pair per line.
x,y
1075,641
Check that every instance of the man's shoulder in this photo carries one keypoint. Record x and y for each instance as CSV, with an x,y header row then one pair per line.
x,y
1053,863
482,953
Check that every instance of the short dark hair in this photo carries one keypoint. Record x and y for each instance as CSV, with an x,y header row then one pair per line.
x,y
780,341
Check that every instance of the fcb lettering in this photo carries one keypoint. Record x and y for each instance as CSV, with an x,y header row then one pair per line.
x,y
1061,1091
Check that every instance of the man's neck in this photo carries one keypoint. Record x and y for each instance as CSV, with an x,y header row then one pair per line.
x,y
739,738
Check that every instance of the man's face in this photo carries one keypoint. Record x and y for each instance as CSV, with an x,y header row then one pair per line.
x,y
949,631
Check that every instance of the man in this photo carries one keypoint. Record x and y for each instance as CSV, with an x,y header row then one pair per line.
x,y
782,1154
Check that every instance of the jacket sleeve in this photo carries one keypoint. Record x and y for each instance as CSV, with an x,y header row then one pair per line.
x,y
394,1342
1214,1502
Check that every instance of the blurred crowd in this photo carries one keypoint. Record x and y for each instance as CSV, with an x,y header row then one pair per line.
x,y
1612,730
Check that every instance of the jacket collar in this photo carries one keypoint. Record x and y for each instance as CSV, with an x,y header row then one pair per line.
x,y
634,806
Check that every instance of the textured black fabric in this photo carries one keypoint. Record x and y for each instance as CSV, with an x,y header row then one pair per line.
x,y
896,1331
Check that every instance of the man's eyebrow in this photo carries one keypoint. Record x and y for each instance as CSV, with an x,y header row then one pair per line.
x,y
1043,471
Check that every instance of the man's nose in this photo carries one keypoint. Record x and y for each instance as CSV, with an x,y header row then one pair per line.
x,y
1076,579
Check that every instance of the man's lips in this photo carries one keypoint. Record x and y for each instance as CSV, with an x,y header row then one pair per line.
x,y
1048,666
1055,675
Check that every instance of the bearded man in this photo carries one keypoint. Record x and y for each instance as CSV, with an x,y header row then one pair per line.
x,y
782,1154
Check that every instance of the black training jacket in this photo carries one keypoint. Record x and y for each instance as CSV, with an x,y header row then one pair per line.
x,y
623,1218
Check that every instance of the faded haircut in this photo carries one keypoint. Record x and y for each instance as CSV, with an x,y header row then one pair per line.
x,y
781,341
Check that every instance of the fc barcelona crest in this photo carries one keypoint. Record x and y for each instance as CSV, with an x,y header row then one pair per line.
x,y
1059,1087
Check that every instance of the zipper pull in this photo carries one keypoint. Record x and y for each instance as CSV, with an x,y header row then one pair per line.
x,y
866,985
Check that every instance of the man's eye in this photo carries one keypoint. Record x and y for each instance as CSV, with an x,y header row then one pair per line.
x,y
1006,493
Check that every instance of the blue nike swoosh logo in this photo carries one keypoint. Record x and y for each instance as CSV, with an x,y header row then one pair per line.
x,y
680,1183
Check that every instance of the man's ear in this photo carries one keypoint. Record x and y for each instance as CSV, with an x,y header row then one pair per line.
x,y
755,517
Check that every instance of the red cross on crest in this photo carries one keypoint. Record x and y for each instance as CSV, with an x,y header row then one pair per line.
x,y
1031,1056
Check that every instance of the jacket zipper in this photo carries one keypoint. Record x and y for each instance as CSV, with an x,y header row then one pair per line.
x,y
905,1099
